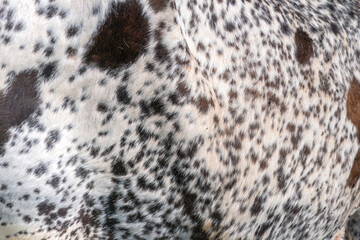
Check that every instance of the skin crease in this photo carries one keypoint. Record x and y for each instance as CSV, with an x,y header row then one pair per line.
x,y
179,119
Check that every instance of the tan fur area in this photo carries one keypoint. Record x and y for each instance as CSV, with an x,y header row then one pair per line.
x,y
339,235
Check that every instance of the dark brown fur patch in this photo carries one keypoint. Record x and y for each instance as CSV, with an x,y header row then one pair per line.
x,y
158,5
304,49
18,103
122,38
353,103
183,89
353,113
355,172
203,104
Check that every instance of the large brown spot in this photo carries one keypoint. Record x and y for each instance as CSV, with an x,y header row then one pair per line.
x,y
203,104
122,38
20,101
183,89
304,49
353,103
355,172
353,113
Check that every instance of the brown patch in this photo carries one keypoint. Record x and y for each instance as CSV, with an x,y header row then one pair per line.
x,y
252,93
122,38
272,98
353,103
158,5
183,89
19,103
304,49
207,226
232,95
355,172
203,104
353,113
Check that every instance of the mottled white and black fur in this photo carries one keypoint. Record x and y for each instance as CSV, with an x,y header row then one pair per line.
x,y
179,119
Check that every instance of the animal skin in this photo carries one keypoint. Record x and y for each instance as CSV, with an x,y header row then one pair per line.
x,y
179,119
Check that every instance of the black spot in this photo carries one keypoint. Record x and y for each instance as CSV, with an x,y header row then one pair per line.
x,y
304,49
62,14
155,106
125,77
72,31
71,51
48,70
257,206
19,27
108,150
25,197
122,38
281,181
229,27
45,207
19,103
334,28
82,70
52,138
102,107
144,184
37,47
189,200
285,28
216,217
40,170
122,95
110,210
95,10
48,51
149,67
51,11
9,26
161,52
262,229
81,172
213,21
6,40
62,212
54,181
94,151
27,219
69,103
118,168
155,207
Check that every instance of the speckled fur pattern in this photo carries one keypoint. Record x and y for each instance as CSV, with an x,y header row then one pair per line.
x,y
179,119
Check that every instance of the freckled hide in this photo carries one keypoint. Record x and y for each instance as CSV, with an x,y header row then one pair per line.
x,y
179,119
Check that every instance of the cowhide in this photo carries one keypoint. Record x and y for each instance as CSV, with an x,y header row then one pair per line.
x,y
179,119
